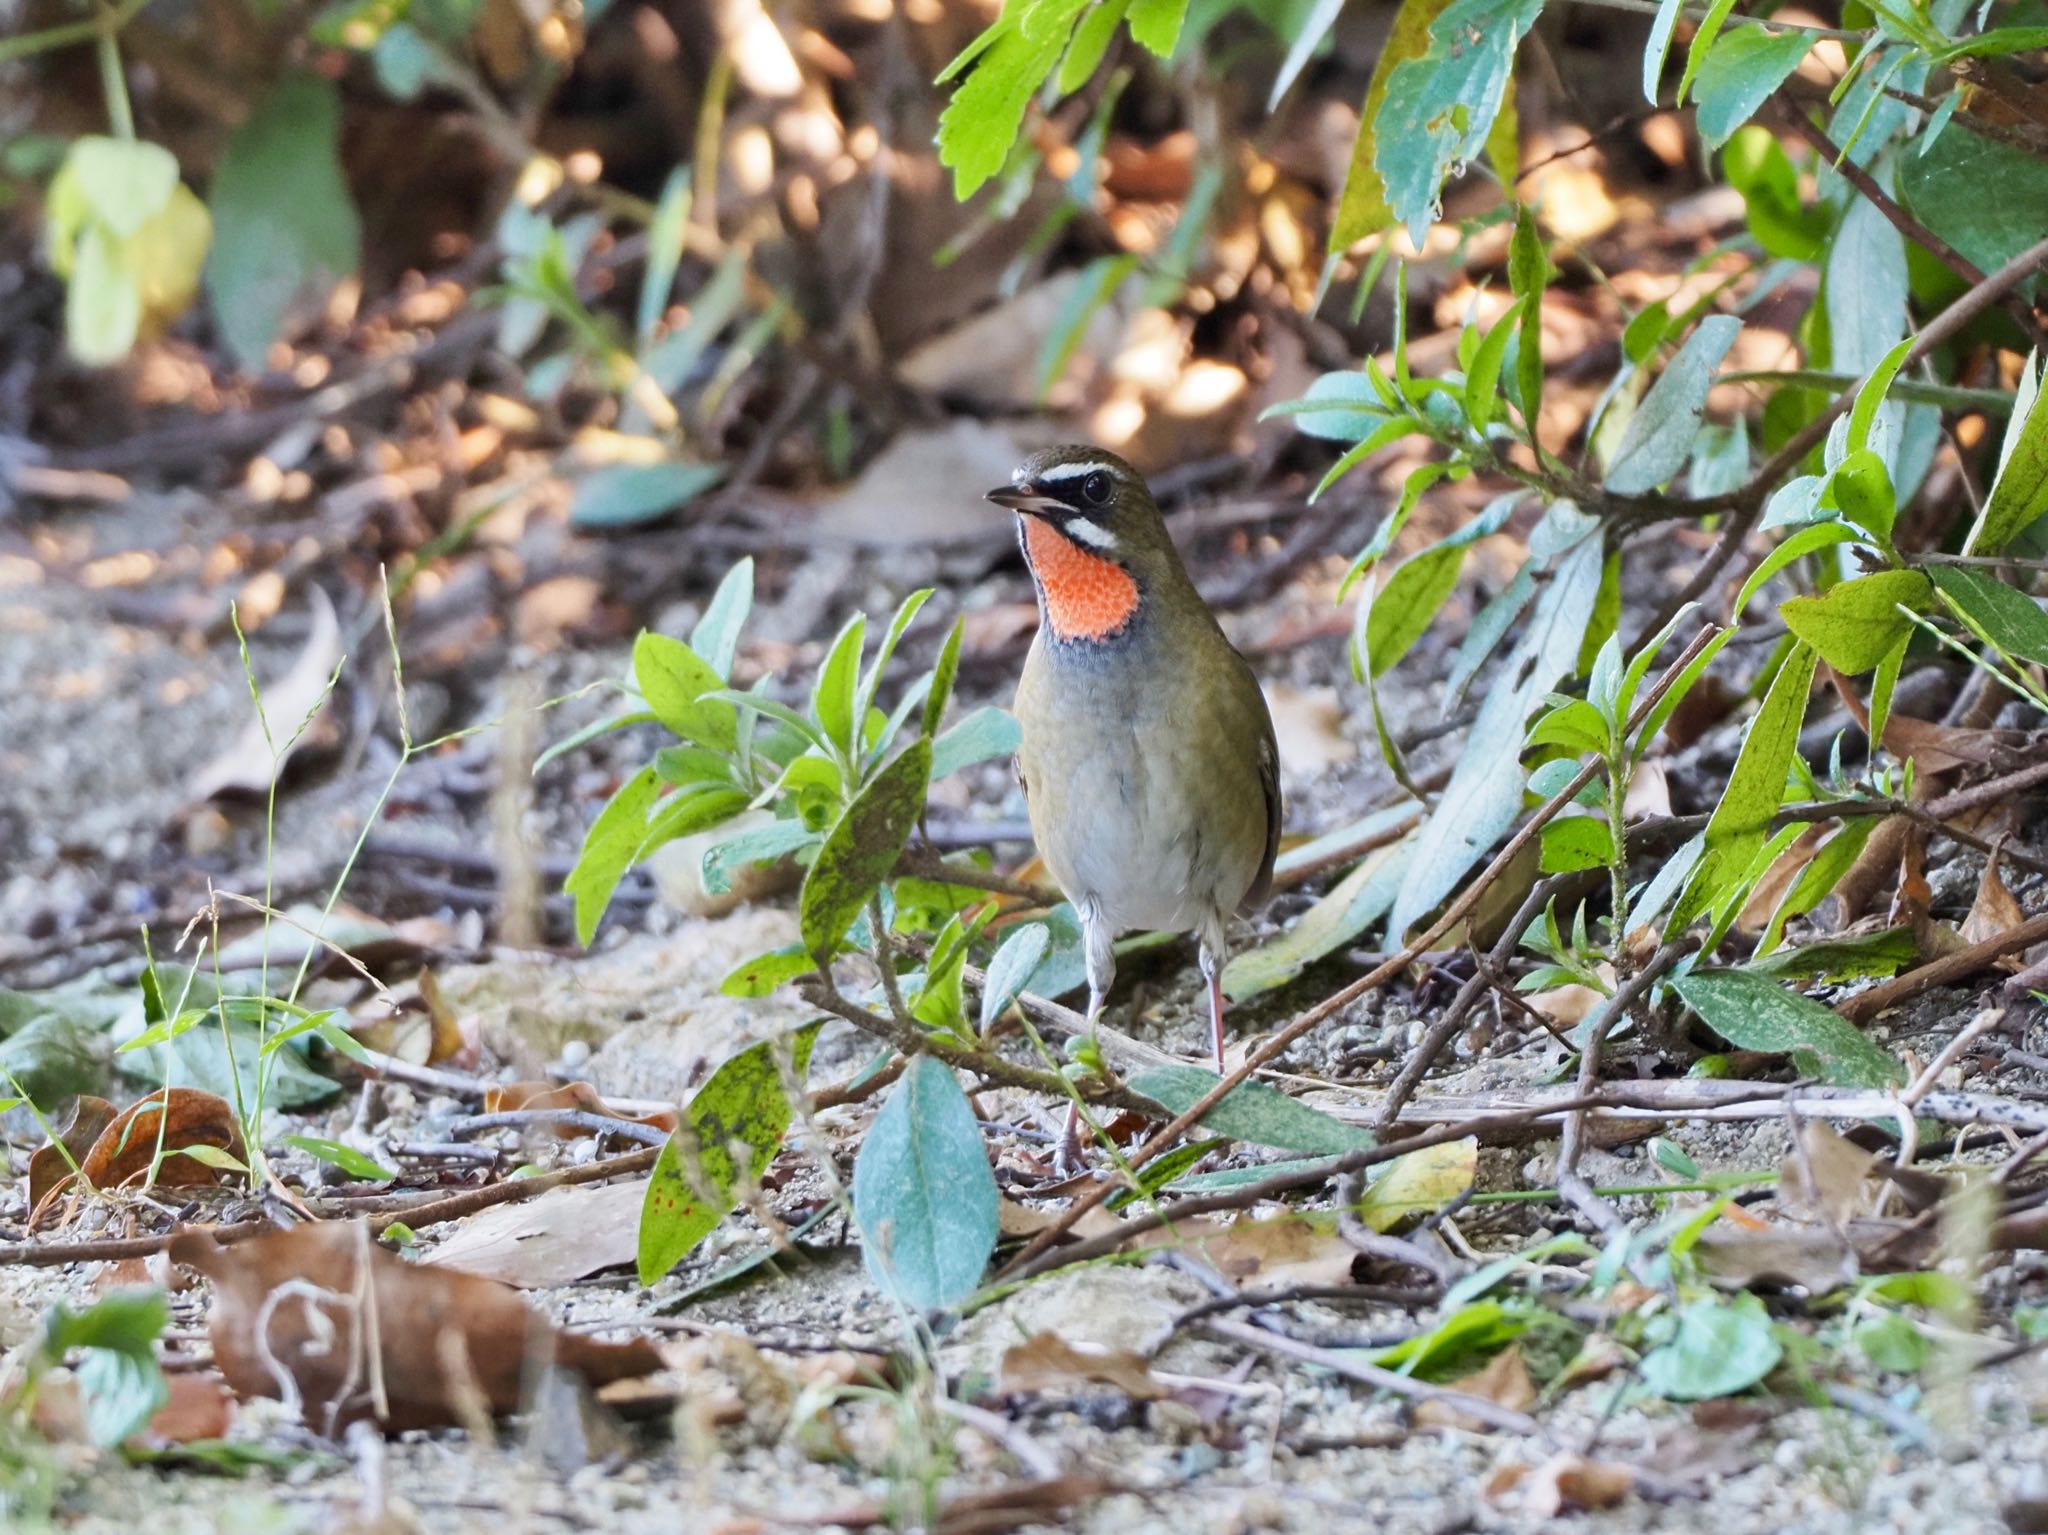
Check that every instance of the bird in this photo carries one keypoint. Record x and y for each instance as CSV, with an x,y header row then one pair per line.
x,y
1146,749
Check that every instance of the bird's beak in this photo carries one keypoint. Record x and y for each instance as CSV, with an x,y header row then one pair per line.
x,y
1035,503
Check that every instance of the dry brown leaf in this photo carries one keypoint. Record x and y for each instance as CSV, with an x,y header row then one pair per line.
x,y
49,1169
1649,792
1568,1006
249,764
327,1320
1047,1362
445,1041
1019,1220
514,1096
126,1145
1281,1251
1765,895
1565,1483
1994,911
1503,1379
199,1406
564,1235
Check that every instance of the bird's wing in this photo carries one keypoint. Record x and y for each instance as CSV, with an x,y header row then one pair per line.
x,y
1269,785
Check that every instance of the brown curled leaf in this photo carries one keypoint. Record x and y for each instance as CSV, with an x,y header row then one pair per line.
x,y
323,1318
513,1096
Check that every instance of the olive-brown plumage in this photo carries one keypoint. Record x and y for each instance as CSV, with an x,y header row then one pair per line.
x,y
1147,751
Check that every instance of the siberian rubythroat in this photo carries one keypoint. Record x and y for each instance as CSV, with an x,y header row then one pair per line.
x,y
1147,752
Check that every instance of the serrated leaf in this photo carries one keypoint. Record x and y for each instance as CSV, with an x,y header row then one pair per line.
x,y
1856,623
1659,436
862,848
983,119
1251,1111
286,228
1754,1012
923,1194
697,1176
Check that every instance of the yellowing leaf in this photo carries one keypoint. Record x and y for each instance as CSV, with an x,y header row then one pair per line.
x,y
1420,1182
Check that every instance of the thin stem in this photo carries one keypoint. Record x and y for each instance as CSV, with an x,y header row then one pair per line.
x,y
31,43
113,83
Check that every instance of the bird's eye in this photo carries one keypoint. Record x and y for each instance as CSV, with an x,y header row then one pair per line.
x,y
1095,489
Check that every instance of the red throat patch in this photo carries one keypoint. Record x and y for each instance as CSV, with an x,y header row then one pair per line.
x,y
1087,597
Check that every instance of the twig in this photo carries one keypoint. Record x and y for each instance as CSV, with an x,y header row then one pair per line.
x,y
1795,117
1440,1034
559,1119
1347,1364
1382,1246
1866,1005
992,1068
1571,1186
1457,911
925,863
1951,1052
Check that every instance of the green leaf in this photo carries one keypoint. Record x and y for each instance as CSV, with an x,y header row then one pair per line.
x,y
285,228
763,973
1855,624
1440,106
1156,24
1251,1111
1658,48
982,736
1482,379
609,848
940,693
102,304
1576,842
120,183
1363,208
1468,1335
1402,609
1484,795
862,848
1352,905
697,1177
1702,44
119,1379
1833,961
1861,487
1091,41
674,680
407,63
2019,496
985,115
1528,274
1010,969
2000,614
664,251
1659,436
923,1194
871,683
1757,166
1820,876
1755,788
716,638
1987,199
1739,75
626,495
347,1158
1754,1012
832,697
1350,388
755,844
1866,308
688,812
1797,546
1717,1348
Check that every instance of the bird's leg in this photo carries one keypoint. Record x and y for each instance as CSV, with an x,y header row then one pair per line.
x,y
1212,972
1101,959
